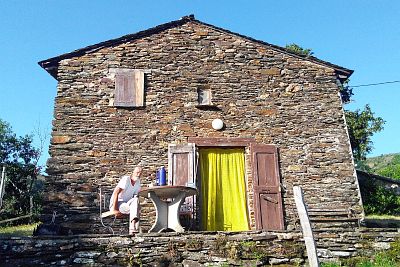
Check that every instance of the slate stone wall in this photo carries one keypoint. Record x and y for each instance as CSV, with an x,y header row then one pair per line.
x,y
258,92
192,249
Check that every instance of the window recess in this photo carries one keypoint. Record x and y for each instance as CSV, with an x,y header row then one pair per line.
x,y
204,97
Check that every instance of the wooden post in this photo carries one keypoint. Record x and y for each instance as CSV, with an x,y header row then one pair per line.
x,y
306,227
30,208
2,185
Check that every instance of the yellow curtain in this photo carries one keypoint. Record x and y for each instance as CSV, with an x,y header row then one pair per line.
x,y
223,189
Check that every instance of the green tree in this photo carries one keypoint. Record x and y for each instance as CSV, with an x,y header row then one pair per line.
x,y
362,125
21,161
294,48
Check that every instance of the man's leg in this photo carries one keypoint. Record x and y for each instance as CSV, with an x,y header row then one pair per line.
x,y
134,215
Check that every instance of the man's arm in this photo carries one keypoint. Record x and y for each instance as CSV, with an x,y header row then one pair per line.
x,y
114,206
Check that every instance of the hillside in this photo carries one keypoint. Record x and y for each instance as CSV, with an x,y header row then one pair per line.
x,y
386,165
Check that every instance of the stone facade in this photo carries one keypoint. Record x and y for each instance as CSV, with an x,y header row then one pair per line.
x,y
260,91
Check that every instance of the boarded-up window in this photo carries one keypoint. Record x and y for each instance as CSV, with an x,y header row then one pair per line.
x,y
129,88
204,96
267,193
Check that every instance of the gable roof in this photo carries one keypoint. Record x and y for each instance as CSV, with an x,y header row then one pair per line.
x,y
51,64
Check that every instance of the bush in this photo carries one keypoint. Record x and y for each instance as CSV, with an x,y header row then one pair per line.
x,y
379,200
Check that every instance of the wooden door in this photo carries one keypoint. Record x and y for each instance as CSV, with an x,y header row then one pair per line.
x,y
267,188
181,164
182,171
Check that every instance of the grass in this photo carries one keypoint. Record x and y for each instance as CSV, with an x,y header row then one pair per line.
x,y
20,230
387,258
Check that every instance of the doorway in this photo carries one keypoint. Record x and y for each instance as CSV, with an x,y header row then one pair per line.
x,y
223,195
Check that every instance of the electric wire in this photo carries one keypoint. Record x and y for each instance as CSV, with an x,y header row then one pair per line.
x,y
372,84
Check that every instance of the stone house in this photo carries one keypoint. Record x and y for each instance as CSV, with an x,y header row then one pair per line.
x,y
152,97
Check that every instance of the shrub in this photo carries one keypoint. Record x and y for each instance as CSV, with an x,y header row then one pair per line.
x,y
379,200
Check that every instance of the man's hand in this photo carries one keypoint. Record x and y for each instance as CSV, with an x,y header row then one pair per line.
x,y
117,213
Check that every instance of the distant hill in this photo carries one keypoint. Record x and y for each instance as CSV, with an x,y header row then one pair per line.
x,y
386,165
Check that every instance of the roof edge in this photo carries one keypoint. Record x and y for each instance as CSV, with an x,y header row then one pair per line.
x,y
51,64
338,69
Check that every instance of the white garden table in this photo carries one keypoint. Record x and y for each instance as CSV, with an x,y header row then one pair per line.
x,y
167,212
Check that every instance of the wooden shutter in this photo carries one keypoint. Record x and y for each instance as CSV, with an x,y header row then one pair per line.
x,y
129,88
267,188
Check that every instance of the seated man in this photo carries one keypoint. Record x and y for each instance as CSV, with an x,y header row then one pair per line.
x,y
124,199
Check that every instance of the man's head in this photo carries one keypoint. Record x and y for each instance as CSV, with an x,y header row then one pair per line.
x,y
136,173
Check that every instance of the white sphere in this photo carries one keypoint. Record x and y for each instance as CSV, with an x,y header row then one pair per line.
x,y
217,124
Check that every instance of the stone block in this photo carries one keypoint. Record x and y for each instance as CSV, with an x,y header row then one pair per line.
x,y
267,112
271,72
60,139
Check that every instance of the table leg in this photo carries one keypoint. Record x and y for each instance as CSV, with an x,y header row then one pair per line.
x,y
173,213
161,213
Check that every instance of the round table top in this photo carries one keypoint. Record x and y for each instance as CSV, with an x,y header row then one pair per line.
x,y
168,191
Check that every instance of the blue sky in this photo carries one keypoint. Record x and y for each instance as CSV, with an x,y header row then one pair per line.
x,y
360,35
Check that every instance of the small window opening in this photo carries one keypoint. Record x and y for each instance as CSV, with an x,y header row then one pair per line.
x,y
204,96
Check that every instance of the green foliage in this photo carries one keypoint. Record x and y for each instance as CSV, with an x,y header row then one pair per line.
x,y
379,162
378,199
294,48
386,258
346,92
330,264
392,170
386,165
362,125
20,158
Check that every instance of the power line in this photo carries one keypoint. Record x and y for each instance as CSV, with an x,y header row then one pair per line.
x,y
373,84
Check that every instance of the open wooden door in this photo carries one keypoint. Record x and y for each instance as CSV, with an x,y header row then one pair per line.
x,y
181,164
182,171
267,188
